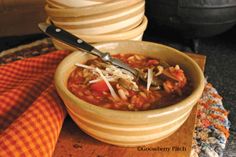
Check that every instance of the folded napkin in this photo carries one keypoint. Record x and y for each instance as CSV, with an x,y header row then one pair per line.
x,y
31,113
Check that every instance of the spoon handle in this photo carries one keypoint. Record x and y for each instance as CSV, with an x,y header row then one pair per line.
x,y
70,39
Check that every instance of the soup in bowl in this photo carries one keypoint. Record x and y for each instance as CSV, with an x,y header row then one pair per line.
x,y
109,104
157,85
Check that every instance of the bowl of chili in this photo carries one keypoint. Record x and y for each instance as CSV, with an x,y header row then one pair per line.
x,y
102,102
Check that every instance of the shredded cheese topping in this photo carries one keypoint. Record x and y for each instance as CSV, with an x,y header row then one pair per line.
x,y
109,78
119,73
109,74
112,73
85,66
113,93
149,78
160,70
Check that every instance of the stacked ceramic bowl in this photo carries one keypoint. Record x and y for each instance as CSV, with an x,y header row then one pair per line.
x,y
98,20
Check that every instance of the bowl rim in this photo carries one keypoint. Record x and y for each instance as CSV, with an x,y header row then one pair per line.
x,y
70,4
80,4
90,10
104,112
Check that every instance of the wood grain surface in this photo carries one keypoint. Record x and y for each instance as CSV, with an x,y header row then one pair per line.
x,y
73,142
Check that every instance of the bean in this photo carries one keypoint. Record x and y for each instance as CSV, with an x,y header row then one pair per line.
x,y
35,53
147,105
107,106
131,106
87,92
133,99
90,97
110,98
86,73
80,94
74,86
143,94
122,94
104,93
137,57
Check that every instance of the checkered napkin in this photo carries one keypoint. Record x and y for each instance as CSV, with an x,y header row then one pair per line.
x,y
31,113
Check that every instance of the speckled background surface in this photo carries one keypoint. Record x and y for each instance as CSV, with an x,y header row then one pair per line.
x,y
220,67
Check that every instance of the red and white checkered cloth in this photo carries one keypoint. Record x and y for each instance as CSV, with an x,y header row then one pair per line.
x,y
31,113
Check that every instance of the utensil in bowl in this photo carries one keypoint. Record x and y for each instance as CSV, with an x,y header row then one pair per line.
x,y
68,38
74,41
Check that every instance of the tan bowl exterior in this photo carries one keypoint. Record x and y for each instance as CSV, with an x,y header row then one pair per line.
x,y
97,18
75,3
62,46
90,10
53,4
106,28
114,29
115,36
128,128
133,34
116,21
138,38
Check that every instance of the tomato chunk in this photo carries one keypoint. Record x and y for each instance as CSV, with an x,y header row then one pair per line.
x,y
100,86
152,62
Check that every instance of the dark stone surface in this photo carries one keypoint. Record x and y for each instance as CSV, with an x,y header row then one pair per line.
x,y
220,67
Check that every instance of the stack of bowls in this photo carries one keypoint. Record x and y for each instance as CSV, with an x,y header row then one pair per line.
x,y
98,20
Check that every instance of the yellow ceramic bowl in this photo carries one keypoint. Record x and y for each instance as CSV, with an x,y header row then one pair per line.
x,y
103,23
129,128
62,46
132,34
53,4
89,10
98,18
73,3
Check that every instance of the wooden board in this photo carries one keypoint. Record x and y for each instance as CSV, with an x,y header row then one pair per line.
x,y
73,142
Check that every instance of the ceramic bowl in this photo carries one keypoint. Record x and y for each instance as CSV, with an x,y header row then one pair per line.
x,y
62,46
121,19
53,4
129,128
98,17
74,3
89,10
106,28
132,34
